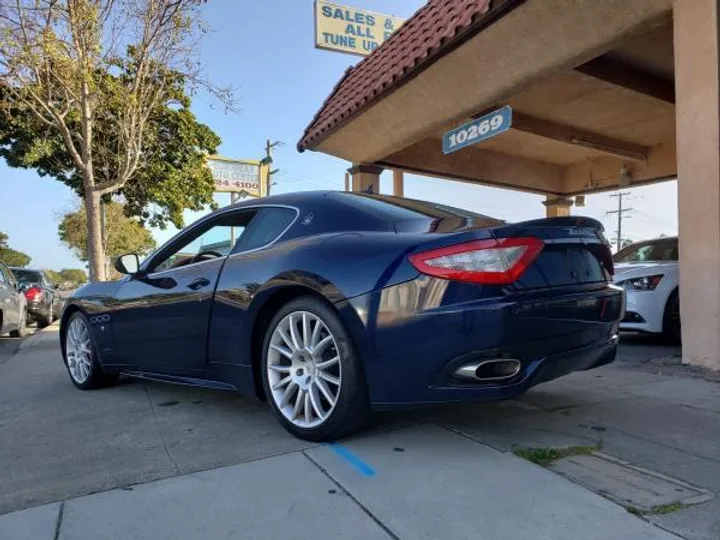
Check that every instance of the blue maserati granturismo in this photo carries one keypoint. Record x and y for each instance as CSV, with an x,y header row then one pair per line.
x,y
332,305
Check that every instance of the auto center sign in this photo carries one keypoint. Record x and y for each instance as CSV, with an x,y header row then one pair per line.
x,y
351,30
237,176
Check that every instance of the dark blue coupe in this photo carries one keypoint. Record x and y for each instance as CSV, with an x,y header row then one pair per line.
x,y
331,305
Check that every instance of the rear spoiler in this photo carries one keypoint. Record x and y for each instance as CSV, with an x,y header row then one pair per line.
x,y
565,221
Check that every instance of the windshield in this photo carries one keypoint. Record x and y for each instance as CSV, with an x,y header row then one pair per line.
x,y
27,276
665,249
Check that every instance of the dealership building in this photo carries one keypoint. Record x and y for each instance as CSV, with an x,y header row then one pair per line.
x,y
603,94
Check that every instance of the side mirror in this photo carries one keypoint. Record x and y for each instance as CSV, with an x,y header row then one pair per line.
x,y
128,264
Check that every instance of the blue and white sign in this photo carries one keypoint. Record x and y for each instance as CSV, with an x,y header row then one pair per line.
x,y
478,130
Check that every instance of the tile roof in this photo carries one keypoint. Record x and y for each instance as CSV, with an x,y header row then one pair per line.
x,y
434,30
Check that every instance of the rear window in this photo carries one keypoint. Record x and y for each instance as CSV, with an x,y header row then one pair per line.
x,y
28,276
399,210
657,250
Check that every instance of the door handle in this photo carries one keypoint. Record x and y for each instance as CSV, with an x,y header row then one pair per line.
x,y
199,283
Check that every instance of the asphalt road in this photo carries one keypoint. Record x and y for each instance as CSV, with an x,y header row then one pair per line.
x,y
8,347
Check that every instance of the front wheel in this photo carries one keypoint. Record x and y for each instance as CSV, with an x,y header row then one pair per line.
x,y
312,375
81,358
671,319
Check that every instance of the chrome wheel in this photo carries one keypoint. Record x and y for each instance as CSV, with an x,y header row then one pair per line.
x,y
304,369
78,351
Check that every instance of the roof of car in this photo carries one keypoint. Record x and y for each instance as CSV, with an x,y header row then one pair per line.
x,y
294,198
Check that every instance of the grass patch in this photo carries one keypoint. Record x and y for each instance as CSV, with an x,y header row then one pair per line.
x,y
546,456
657,510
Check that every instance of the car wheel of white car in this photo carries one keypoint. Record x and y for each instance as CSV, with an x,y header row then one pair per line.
x,y
671,318
80,355
311,373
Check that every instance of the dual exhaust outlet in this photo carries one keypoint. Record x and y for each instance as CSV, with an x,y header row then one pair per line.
x,y
496,369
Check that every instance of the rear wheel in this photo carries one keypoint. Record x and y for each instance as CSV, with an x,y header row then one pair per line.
x,y
671,318
311,373
81,359
45,319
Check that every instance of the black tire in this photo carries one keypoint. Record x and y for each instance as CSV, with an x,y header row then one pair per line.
x,y
97,377
671,319
46,319
22,329
352,411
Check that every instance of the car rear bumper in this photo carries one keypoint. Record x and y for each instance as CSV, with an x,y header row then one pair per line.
x,y
37,308
411,353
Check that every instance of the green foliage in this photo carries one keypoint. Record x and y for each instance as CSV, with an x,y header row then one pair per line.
x,y
657,510
75,276
546,456
171,174
124,234
9,256
53,276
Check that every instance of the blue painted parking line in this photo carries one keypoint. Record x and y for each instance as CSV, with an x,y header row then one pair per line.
x,y
362,467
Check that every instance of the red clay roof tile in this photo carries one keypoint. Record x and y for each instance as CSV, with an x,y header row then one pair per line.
x,y
433,31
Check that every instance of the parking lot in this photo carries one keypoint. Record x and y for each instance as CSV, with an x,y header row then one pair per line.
x,y
57,443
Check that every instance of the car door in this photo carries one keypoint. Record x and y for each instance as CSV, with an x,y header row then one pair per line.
x,y
10,303
160,318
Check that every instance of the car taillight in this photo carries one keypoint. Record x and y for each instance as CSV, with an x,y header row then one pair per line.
x,y
33,293
489,262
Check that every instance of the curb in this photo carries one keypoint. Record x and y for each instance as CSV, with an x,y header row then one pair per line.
x,y
38,336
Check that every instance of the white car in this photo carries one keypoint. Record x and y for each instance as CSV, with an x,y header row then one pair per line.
x,y
649,273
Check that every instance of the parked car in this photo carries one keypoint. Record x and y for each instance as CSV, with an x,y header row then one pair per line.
x,y
649,273
331,305
43,304
13,306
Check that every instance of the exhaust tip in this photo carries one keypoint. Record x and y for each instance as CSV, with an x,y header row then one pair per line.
x,y
490,370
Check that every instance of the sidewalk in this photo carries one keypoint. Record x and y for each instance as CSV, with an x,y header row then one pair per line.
x,y
419,483
158,461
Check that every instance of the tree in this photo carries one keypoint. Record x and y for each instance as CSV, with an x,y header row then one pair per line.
x,y
53,276
75,65
172,176
73,275
9,256
123,234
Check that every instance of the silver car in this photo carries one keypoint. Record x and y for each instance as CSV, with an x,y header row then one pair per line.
x,y
13,306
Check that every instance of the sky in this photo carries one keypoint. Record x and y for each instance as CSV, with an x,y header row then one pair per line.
x,y
265,49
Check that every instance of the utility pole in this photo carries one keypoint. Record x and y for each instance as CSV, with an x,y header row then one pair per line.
x,y
269,159
620,216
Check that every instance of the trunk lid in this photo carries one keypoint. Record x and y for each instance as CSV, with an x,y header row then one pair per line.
x,y
575,252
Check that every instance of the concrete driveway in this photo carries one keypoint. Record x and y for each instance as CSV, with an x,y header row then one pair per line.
x,y
444,472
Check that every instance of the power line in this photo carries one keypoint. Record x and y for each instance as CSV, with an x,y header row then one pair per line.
x,y
621,211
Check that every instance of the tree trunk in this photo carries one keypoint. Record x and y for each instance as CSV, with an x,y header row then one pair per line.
x,y
95,248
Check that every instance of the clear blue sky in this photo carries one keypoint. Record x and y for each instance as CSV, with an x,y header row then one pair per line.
x,y
266,49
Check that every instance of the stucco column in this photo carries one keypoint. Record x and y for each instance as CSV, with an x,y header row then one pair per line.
x,y
697,90
557,206
398,183
365,178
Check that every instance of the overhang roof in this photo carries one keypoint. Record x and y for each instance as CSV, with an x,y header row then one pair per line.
x,y
433,31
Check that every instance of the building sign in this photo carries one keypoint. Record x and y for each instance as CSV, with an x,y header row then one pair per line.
x,y
478,130
350,30
238,176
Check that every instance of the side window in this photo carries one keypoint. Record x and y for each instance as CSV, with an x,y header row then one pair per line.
x,y
215,238
3,278
266,227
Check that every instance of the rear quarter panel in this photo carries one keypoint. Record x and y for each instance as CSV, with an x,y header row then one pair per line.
x,y
335,266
